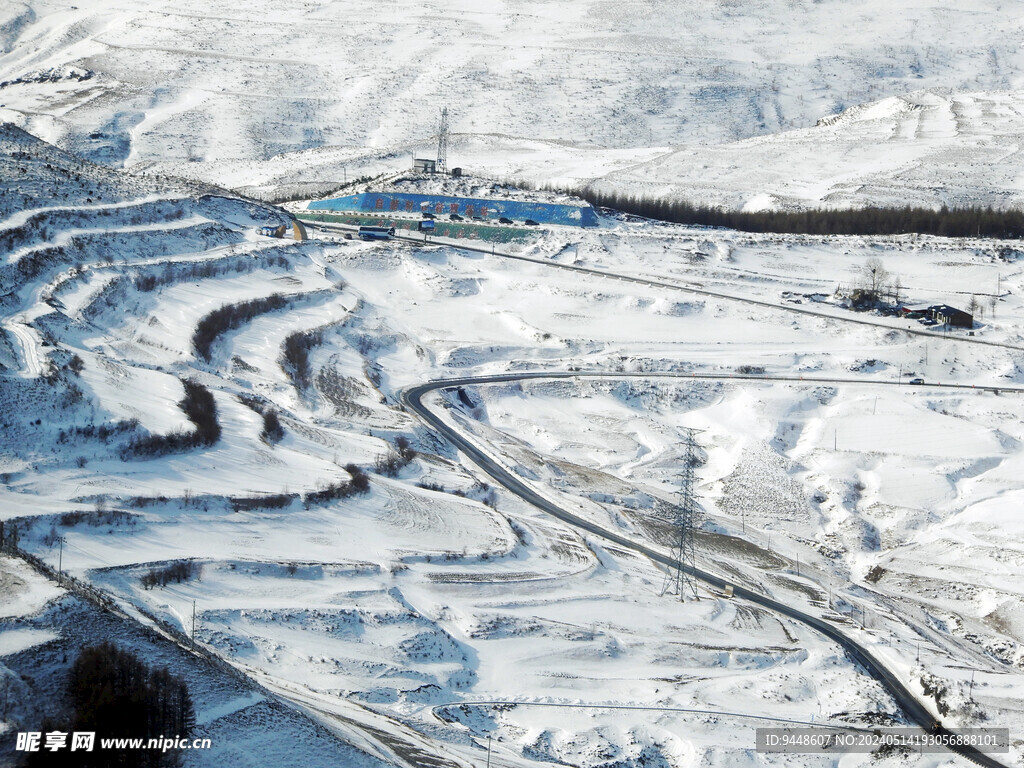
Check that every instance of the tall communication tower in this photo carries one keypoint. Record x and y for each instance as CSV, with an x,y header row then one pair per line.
x,y
681,580
442,143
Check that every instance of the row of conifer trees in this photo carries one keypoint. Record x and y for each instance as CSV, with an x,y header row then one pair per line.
x,y
112,693
967,221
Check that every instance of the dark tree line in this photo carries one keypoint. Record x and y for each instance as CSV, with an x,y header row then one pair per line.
x,y
183,570
295,355
228,318
114,694
273,429
358,483
103,432
967,221
180,272
272,501
200,408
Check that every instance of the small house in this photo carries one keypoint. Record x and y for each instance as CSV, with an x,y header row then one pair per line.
x,y
424,165
947,315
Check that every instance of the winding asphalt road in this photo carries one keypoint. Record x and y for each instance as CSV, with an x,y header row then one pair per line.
x,y
412,399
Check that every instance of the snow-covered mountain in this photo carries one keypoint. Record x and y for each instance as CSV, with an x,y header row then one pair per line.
x,y
180,395
417,617
538,89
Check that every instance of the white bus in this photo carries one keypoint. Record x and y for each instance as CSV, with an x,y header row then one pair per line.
x,y
376,233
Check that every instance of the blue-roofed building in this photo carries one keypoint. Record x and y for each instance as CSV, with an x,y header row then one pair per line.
x,y
398,203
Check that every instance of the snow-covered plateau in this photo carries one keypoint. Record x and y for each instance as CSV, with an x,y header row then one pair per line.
x,y
206,433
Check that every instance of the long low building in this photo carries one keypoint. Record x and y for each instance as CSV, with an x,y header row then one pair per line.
x,y
469,207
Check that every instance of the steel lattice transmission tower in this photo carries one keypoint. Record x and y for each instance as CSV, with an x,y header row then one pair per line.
x,y
681,580
442,143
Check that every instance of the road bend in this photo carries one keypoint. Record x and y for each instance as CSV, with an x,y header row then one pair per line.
x,y
914,709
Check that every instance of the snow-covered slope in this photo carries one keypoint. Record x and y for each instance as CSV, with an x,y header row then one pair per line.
x,y
921,149
393,616
176,389
540,89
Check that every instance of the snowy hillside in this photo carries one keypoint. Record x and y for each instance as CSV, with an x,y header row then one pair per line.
x,y
210,431
542,90
353,565
924,149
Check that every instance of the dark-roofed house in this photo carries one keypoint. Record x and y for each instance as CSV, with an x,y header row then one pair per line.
x,y
947,315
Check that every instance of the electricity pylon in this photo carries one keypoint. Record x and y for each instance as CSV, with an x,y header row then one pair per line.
x,y
681,580
442,143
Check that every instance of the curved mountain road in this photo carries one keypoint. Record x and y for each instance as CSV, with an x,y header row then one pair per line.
x,y
412,399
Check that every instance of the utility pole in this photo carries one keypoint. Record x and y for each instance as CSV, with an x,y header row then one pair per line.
x,y
970,695
488,752
60,560
193,622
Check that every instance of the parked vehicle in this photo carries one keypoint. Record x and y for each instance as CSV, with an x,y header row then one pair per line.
x,y
916,381
531,223
503,220
455,217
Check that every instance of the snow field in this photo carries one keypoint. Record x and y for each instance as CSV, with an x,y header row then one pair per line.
x,y
408,597
38,643
933,427
769,106
26,592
